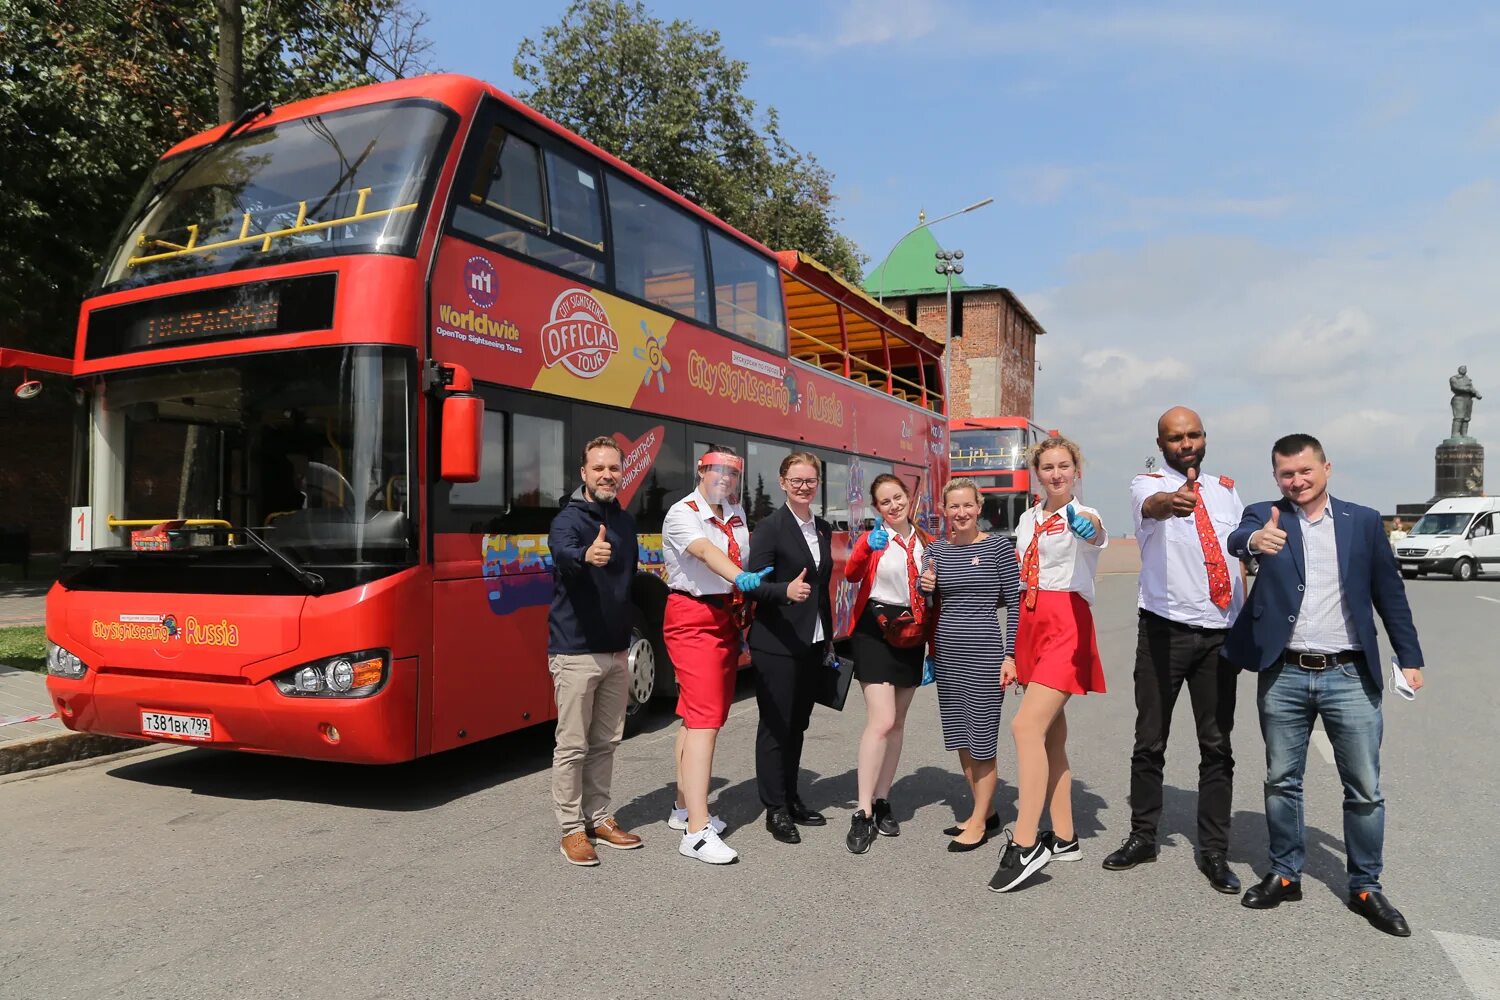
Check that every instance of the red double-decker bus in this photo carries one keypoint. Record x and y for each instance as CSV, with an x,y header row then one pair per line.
x,y
336,374
992,451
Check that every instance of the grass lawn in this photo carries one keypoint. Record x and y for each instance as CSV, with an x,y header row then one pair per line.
x,y
24,646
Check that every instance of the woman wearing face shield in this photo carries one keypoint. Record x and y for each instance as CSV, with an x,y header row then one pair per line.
x,y
705,543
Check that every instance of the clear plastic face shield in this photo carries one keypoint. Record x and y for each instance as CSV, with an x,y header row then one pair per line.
x,y
719,476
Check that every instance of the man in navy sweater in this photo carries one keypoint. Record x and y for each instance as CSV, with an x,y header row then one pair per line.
x,y
1308,631
593,561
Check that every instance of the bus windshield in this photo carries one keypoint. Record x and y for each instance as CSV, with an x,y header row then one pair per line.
x,y
978,450
1442,524
309,449
344,182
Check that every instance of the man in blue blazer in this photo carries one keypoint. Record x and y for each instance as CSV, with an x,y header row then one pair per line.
x,y
1308,630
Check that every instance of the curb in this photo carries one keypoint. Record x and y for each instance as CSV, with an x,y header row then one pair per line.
x,y
60,748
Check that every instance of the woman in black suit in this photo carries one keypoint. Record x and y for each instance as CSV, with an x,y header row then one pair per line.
x,y
790,639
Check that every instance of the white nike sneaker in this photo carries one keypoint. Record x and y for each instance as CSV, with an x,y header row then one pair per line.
x,y
705,845
678,821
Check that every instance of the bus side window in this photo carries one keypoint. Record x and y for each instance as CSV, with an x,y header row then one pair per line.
x,y
658,251
489,489
538,477
510,178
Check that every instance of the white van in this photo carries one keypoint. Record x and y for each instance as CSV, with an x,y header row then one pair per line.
x,y
1460,536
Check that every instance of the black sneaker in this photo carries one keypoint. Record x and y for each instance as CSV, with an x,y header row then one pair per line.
x,y
1062,850
885,823
1017,864
861,833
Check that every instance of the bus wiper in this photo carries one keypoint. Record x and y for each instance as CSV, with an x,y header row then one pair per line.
x,y
314,582
192,159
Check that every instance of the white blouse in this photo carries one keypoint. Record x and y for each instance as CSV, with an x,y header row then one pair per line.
x,y
890,585
1064,561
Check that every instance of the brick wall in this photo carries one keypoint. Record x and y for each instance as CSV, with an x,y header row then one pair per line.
x,y
994,361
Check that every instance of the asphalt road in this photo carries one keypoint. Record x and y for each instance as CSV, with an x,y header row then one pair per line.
x,y
202,874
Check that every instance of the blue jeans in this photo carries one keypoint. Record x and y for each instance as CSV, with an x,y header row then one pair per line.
x,y
1290,698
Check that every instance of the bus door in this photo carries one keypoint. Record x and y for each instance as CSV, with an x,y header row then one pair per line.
x,y
493,577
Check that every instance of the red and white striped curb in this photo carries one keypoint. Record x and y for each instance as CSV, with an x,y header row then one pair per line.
x,y
16,720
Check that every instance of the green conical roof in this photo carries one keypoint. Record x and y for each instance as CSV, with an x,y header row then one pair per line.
x,y
909,270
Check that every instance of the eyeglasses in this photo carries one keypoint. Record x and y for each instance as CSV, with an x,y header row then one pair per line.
x,y
802,484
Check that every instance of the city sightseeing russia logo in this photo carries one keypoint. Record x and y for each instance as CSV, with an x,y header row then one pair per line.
x,y
480,281
579,336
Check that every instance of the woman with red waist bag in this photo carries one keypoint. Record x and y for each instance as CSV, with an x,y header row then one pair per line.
x,y
889,641
704,542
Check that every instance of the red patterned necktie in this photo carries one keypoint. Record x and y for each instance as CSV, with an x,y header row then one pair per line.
x,y
913,598
1219,590
737,605
1031,568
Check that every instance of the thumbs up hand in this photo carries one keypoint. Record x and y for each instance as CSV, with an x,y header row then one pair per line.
x,y
1185,500
928,580
799,589
749,580
1271,539
879,538
1080,524
598,553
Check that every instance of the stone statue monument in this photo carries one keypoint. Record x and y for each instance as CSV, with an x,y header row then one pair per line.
x,y
1462,403
1460,459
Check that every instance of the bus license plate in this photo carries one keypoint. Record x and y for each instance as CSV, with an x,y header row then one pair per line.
x,y
182,727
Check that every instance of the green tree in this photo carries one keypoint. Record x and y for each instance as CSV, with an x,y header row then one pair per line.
x,y
92,92
666,98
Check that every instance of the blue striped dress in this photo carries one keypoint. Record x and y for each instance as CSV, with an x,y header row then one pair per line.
x,y
973,580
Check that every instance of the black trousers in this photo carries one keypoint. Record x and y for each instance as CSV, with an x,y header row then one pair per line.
x,y
1167,654
784,687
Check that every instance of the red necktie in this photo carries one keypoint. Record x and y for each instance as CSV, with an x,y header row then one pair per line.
x,y
1031,566
1219,590
737,605
911,576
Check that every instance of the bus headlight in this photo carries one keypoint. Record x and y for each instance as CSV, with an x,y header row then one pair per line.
x,y
61,663
348,675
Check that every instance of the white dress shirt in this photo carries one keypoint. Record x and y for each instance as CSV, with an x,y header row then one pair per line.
x,y
810,536
1174,579
1322,624
682,526
890,586
1064,561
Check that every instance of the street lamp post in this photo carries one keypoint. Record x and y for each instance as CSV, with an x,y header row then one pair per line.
x,y
921,224
949,263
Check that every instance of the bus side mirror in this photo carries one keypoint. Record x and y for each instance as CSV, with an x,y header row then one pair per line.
x,y
463,426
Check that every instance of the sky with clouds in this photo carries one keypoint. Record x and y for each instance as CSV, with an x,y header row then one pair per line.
x,y
1284,215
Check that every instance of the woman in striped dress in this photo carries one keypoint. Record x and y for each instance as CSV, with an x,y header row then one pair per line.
x,y
972,575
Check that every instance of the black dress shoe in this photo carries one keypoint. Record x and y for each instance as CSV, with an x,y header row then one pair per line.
x,y
803,816
991,824
1135,850
885,823
1271,892
959,847
1216,867
779,822
861,833
1375,908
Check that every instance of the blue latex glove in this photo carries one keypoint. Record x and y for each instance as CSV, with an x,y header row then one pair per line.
x,y
929,670
748,581
879,537
1082,526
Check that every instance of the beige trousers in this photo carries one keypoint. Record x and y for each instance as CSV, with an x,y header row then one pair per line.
x,y
593,690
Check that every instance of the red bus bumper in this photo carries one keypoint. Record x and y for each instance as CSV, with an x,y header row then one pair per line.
x,y
380,729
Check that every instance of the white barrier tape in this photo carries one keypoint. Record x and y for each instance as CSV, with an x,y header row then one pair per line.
x,y
16,720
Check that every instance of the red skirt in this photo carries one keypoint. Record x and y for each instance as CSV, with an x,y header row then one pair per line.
x,y
1055,644
704,644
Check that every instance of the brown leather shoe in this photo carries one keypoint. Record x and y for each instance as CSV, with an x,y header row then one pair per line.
x,y
609,834
577,849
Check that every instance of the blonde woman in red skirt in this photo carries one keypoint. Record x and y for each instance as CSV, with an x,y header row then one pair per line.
x,y
1057,657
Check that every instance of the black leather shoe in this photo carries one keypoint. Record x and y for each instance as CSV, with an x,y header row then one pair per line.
x,y
991,824
803,816
1375,908
1135,850
885,823
959,847
861,833
1271,892
779,822
1216,867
